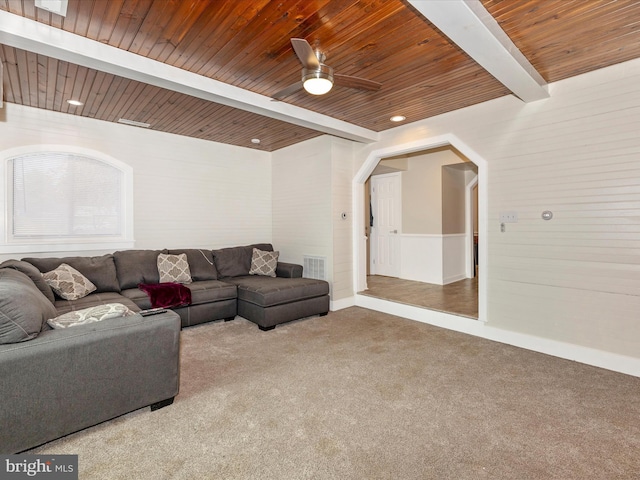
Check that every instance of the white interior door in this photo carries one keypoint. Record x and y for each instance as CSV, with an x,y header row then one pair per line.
x,y
386,205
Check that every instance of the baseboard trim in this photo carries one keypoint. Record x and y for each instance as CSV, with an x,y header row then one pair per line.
x,y
454,278
342,303
589,356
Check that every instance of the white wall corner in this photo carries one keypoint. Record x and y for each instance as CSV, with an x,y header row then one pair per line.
x,y
342,303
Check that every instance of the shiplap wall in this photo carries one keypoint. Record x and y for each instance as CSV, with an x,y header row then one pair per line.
x,y
341,199
576,278
187,192
301,177
311,189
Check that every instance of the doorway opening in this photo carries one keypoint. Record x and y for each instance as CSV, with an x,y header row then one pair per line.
x,y
442,226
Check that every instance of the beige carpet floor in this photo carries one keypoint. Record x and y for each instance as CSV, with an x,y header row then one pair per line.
x,y
364,395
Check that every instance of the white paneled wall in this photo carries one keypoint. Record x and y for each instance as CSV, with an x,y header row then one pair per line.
x,y
433,258
302,201
576,278
311,191
421,258
342,213
187,192
454,258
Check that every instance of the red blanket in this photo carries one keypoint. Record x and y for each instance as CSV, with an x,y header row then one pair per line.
x,y
166,295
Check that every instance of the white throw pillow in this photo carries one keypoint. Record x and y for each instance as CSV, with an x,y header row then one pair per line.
x,y
90,315
68,282
174,268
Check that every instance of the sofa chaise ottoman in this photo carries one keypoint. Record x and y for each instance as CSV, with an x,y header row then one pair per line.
x,y
271,300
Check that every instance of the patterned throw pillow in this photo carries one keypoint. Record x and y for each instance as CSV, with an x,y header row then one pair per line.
x,y
174,268
68,282
90,315
264,263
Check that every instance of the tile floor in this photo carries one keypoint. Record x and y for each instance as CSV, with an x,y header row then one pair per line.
x,y
460,298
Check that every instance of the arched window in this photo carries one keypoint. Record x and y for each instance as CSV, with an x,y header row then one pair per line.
x,y
66,199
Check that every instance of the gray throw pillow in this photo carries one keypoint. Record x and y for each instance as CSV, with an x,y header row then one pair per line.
x,y
23,308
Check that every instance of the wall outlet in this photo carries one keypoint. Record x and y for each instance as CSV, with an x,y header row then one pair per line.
x,y
508,217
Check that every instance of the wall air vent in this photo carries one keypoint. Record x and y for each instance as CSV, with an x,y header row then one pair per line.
x,y
314,267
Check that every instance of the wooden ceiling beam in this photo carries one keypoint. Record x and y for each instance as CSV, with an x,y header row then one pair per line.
x,y
470,26
23,33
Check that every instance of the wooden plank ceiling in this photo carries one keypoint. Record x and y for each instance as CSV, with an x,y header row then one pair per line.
x,y
246,44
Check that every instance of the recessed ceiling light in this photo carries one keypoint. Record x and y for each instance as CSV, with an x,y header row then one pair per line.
x,y
134,123
75,103
398,118
255,140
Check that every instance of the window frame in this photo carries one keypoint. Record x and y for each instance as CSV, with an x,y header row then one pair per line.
x,y
10,244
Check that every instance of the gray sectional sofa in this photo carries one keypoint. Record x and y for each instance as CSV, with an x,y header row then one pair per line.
x,y
221,289
58,381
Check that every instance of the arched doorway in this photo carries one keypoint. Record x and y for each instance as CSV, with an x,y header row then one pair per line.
x,y
360,260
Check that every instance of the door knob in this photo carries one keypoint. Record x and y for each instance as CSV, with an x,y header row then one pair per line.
x,y
393,231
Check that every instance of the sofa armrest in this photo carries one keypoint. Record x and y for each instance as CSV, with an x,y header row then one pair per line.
x,y
68,379
288,270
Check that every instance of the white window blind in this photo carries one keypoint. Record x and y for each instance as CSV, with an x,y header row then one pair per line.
x,y
60,195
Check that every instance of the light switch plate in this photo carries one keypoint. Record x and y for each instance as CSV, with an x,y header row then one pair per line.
x,y
508,217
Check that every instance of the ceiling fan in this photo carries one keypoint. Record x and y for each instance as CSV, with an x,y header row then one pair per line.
x,y
317,77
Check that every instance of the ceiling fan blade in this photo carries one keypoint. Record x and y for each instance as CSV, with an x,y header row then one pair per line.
x,y
285,92
356,82
305,53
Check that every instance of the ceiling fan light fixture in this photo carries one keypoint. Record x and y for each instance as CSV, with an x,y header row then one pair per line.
x,y
317,81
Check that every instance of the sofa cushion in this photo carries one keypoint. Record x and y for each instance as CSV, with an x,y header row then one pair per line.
x,y
268,291
209,291
206,291
264,263
90,315
137,296
100,270
167,294
201,263
92,300
236,261
23,308
173,268
68,283
288,270
33,273
137,266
